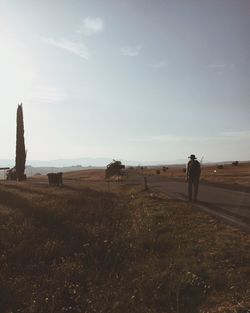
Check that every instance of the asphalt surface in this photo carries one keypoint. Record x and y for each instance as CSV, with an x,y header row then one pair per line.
x,y
232,206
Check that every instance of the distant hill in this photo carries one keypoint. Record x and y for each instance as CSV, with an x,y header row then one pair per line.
x,y
68,165
84,162
32,170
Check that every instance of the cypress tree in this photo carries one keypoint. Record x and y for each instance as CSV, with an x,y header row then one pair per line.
x,y
20,146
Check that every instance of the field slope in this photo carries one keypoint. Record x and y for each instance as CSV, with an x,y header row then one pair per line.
x,y
76,249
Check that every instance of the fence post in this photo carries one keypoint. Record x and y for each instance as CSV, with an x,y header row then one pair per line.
x,y
145,183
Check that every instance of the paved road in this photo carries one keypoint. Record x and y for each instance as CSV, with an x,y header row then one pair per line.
x,y
234,206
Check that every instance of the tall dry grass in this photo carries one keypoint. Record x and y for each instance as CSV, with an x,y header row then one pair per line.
x,y
79,250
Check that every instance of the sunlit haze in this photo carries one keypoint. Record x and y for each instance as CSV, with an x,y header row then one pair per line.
x,y
134,80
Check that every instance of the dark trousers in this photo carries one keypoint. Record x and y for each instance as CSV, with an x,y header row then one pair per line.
x,y
193,185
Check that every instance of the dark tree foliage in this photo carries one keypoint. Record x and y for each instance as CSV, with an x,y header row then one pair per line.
x,y
114,169
220,167
235,163
20,145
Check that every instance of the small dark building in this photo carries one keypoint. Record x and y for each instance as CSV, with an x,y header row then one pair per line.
x,y
55,179
11,174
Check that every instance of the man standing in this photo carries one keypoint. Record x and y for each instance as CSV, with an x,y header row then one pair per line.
x,y
193,177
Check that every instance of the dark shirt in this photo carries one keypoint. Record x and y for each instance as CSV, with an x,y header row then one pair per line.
x,y
193,169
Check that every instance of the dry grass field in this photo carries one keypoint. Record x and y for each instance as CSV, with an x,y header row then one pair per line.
x,y
76,249
236,177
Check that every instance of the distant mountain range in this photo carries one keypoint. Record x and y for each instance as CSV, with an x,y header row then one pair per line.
x,y
34,167
85,162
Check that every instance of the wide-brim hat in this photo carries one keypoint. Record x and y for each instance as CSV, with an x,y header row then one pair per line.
x,y
192,156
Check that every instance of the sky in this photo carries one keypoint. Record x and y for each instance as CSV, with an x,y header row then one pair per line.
x,y
146,80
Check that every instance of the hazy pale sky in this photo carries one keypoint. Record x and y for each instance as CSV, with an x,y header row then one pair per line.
x,y
134,79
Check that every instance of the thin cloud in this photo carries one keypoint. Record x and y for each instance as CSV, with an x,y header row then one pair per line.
x,y
77,48
164,138
236,135
220,66
228,136
131,51
160,64
91,26
217,66
46,94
